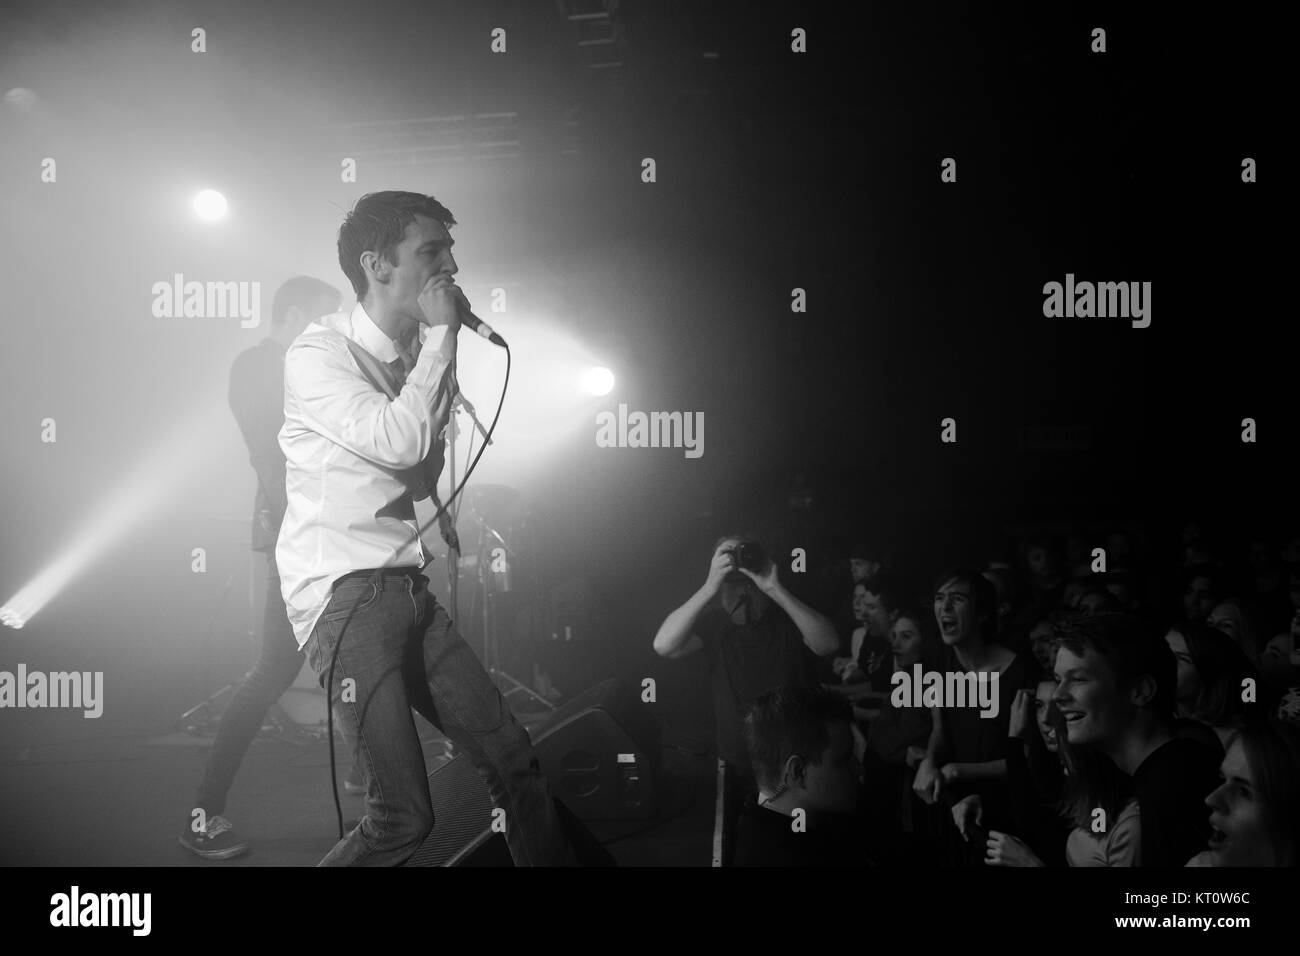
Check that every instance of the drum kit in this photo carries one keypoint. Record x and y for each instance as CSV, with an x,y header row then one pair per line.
x,y
504,546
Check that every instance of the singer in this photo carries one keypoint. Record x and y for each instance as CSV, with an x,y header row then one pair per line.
x,y
367,397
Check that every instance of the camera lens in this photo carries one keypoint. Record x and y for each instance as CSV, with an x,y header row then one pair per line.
x,y
751,556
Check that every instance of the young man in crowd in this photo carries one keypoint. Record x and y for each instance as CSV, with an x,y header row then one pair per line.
x,y
1117,692
801,745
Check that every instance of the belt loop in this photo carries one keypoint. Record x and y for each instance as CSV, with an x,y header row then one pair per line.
x,y
377,579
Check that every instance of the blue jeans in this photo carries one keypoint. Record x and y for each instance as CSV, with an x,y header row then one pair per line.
x,y
401,652
277,666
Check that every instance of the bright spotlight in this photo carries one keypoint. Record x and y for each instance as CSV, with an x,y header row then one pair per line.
x,y
598,381
173,464
210,205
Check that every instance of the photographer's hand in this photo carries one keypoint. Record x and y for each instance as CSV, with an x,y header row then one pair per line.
x,y
767,581
719,568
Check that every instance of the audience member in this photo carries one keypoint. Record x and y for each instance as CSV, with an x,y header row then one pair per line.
x,y
801,747
1255,811
1117,693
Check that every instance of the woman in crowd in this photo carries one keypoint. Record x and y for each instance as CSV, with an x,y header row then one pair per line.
x,y
1035,779
1255,812
1279,668
1229,618
895,744
1212,671
846,667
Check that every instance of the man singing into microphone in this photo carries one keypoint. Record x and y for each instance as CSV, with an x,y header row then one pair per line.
x,y
356,461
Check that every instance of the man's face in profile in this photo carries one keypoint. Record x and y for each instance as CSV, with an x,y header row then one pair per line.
x,y
424,252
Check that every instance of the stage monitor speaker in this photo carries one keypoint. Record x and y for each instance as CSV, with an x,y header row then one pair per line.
x,y
462,821
602,754
462,825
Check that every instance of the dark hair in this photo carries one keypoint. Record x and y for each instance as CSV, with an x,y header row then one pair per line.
x,y
1111,603
1221,666
1004,585
931,648
1092,781
883,586
738,536
1044,541
1273,751
864,551
302,291
790,720
1039,675
377,223
1207,571
1130,650
983,594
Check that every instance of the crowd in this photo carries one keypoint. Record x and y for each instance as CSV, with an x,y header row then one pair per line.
x,y
1134,709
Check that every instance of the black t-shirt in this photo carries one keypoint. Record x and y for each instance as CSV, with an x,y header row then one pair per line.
x,y
745,661
1171,787
767,838
971,738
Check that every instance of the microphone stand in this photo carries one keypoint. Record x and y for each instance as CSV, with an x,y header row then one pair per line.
x,y
491,650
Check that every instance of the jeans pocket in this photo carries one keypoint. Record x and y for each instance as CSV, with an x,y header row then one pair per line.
x,y
361,592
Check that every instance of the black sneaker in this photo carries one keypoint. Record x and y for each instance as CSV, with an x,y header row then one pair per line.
x,y
216,842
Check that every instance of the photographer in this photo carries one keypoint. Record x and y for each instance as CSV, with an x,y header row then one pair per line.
x,y
756,635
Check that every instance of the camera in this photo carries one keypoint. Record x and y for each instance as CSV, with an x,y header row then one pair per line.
x,y
748,555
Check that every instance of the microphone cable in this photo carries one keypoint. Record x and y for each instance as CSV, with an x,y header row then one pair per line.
x,y
329,681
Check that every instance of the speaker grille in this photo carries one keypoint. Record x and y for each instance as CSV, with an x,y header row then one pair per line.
x,y
462,815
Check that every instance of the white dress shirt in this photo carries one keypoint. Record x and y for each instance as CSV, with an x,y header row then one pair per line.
x,y
346,444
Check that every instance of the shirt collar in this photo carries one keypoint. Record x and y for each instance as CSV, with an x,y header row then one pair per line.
x,y
371,337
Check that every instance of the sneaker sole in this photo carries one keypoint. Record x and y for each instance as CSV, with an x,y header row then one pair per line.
x,y
226,854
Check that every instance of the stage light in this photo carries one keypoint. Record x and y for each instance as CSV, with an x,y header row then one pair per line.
x,y
176,463
210,205
597,381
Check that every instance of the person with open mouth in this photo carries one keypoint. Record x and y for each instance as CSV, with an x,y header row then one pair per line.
x,y
1255,811
966,752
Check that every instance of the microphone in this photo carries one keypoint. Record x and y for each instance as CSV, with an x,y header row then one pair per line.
x,y
482,328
